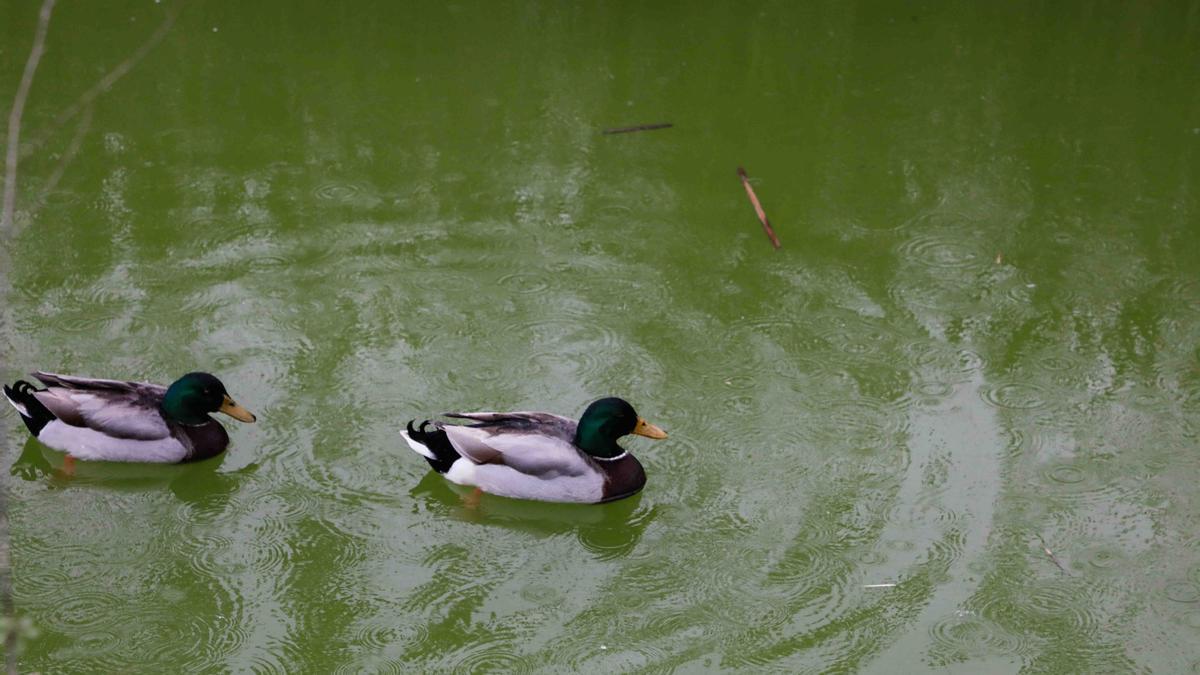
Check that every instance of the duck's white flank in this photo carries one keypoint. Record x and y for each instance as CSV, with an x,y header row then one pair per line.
x,y
498,479
88,444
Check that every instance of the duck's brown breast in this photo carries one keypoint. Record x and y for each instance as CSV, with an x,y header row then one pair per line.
x,y
622,477
204,440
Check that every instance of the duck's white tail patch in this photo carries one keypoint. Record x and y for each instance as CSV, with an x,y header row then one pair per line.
x,y
419,448
19,406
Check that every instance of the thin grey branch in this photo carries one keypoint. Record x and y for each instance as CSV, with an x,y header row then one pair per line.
x,y
105,83
18,109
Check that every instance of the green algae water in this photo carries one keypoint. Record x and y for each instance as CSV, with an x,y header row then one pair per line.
x,y
951,426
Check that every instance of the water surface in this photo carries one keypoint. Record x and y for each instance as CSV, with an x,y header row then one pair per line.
x,y
977,344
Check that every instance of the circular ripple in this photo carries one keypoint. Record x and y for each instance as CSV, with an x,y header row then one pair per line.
x,y
805,565
836,328
854,345
776,337
96,643
662,624
615,212
208,552
271,550
931,358
570,329
582,366
485,373
1079,485
863,423
1057,363
1103,558
1058,600
541,594
204,640
42,582
337,192
494,658
872,557
1066,475
939,252
965,633
376,637
935,389
1149,401
1182,591
87,611
610,543
1184,292
918,297
1015,396
524,283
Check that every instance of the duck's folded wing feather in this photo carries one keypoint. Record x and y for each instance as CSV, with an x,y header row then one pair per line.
x,y
97,384
521,418
531,452
112,407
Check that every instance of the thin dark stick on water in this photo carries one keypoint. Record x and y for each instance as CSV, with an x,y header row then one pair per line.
x,y
1053,559
639,127
762,215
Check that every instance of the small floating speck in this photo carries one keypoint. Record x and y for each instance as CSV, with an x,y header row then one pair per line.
x,y
603,647
214,29
890,585
1030,285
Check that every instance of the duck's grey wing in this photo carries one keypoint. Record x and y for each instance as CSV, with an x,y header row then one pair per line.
x,y
534,443
521,418
112,407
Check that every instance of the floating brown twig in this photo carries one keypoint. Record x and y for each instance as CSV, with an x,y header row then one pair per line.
x,y
1053,559
639,127
762,216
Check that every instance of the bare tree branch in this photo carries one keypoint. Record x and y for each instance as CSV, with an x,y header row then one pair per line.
x,y
18,109
105,83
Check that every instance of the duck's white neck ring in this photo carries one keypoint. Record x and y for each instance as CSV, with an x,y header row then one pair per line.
x,y
612,459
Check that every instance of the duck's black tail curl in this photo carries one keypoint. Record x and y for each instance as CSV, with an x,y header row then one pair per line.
x,y
436,441
35,415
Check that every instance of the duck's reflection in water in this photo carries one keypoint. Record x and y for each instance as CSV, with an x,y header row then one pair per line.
x,y
610,530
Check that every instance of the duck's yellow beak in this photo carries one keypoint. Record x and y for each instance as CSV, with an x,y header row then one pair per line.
x,y
648,430
236,411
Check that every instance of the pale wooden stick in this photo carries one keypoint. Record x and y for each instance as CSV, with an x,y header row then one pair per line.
x,y
762,215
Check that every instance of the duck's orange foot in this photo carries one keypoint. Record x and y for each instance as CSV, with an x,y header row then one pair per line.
x,y
67,472
471,501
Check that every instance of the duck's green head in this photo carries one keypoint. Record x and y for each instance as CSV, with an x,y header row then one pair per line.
x,y
190,398
605,421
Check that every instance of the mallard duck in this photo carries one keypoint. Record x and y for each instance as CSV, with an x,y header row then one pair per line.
x,y
116,421
539,455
